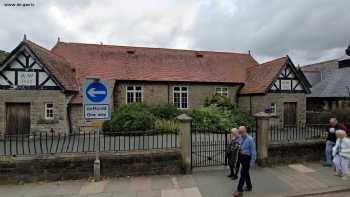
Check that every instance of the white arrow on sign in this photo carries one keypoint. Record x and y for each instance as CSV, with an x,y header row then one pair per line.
x,y
93,92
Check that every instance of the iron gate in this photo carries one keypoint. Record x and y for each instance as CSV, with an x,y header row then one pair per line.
x,y
208,147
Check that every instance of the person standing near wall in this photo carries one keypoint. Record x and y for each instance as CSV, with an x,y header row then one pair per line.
x,y
341,154
331,139
247,157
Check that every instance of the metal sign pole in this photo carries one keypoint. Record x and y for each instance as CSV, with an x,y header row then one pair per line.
x,y
97,163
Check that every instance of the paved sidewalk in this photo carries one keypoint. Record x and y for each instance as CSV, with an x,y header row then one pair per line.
x,y
268,182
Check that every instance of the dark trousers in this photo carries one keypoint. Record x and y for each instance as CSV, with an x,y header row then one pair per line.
x,y
234,168
245,177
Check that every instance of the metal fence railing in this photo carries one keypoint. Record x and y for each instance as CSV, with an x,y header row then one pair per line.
x,y
87,142
301,132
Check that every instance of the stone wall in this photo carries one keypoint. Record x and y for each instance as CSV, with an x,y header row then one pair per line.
x,y
258,103
162,93
296,152
37,100
64,167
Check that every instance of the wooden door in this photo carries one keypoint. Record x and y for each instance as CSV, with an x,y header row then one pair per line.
x,y
17,118
290,114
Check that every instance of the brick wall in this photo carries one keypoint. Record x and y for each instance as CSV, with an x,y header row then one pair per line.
x,y
37,100
261,102
66,167
162,93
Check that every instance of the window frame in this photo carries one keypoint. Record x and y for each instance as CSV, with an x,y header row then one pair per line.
x,y
180,92
47,116
221,92
133,92
273,107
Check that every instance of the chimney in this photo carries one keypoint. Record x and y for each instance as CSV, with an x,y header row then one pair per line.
x,y
347,51
24,37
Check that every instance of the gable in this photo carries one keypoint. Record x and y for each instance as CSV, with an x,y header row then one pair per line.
x,y
23,70
288,81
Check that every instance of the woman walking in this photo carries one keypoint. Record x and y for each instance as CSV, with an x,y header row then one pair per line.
x,y
232,154
341,154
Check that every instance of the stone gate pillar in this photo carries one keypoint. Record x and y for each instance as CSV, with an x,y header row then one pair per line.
x,y
185,141
262,135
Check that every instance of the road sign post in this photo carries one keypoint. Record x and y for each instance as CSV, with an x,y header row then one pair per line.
x,y
96,108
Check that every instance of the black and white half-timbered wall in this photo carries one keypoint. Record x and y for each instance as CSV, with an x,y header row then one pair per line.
x,y
32,99
285,95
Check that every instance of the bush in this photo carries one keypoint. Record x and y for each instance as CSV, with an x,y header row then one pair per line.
x,y
166,112
131,117
211,117
219,113
220,101
141,117
166,125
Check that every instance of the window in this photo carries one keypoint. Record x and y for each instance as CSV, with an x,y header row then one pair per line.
x,y
49,111
273,108
181,97
221,91
134,94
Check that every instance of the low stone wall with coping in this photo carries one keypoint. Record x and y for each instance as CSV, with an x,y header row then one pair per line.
x,y
77,166
295,152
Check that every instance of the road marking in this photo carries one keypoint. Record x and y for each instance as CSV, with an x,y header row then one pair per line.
x,y
301,168
93,187
188,192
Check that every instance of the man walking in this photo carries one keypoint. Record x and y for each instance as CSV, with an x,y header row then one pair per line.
x,y
331,139
247,157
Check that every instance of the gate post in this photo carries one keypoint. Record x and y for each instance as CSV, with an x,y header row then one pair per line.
x,y
262,136
185,141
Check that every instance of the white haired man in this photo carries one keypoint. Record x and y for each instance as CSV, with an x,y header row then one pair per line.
x,y
247,157
341,154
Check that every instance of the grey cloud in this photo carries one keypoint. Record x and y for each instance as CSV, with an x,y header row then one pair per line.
x,y
308,31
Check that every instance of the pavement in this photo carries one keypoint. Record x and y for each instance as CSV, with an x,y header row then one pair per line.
x,y
292,180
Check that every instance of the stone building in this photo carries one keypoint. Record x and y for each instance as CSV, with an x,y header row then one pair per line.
x,y
40,89
330,84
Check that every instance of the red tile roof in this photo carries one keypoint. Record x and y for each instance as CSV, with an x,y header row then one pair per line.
x,y
58,66
113,63
261,76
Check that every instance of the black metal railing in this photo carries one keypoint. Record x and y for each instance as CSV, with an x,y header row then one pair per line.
x,y
87,142
209,146
297,133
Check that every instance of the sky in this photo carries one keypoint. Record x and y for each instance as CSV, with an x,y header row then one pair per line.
x,y
308,31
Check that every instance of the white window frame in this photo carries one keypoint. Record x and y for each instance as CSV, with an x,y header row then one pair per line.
x,y
220,91
133,92
47,116
180,91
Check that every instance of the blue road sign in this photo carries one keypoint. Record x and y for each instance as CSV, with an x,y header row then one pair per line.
x,y
96,92
96,100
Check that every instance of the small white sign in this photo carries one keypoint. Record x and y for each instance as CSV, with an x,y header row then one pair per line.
x,y
26,78
96,112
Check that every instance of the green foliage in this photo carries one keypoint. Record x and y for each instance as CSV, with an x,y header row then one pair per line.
x,y
211,117
131,117
165,111
166,125
141,117
219,113
220,101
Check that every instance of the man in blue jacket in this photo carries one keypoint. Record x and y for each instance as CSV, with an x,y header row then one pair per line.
x,y
247,158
